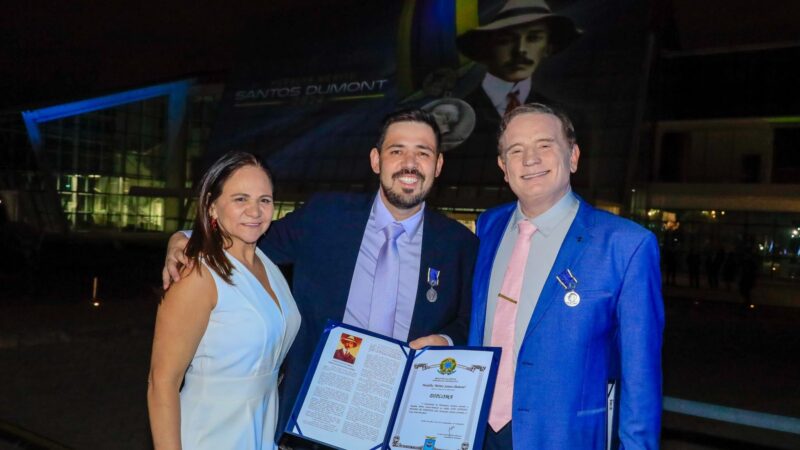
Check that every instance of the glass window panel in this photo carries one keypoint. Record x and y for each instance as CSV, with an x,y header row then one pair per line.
x,y
133,142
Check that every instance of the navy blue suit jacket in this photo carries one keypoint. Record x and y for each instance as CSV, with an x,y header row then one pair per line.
x,y
321,240
569,354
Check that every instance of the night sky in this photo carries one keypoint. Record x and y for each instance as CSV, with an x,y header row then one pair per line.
x,y
62,50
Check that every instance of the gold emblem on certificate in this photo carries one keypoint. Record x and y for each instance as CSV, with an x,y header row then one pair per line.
x,y
447,366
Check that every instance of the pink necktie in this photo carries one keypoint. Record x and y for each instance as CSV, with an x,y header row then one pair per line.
x,y
505,317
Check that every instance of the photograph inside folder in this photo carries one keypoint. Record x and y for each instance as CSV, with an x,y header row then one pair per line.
x,y
366,391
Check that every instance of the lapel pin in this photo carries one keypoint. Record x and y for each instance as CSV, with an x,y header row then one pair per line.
x,y
569,283
433,281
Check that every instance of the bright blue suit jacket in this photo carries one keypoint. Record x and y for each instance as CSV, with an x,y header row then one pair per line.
x,y
321,241
569,354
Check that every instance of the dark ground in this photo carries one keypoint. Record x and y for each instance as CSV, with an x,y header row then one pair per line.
x,y
77,374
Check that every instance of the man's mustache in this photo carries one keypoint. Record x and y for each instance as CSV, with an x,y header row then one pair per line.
x,y
520,61
402,172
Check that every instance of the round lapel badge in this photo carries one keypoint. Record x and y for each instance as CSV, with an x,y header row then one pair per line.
x,y
572,299
431,295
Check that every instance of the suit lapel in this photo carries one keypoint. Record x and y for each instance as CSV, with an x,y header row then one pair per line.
x,y
429,253
490,239
349,240
576,241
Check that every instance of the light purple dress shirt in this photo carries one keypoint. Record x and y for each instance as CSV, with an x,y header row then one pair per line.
x,y
409,246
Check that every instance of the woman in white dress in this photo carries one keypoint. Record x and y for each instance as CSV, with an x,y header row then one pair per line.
x,y
224,329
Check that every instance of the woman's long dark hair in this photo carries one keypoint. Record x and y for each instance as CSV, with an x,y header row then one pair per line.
x,y
209,242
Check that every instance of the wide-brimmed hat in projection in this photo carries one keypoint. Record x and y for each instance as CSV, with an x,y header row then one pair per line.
x,y
513,14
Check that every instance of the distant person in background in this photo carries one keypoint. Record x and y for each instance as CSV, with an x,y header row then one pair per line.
x,y
669,252
715,256
748,270
669,261
730,267
224,330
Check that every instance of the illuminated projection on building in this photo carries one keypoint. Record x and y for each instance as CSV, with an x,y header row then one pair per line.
x,y
312,102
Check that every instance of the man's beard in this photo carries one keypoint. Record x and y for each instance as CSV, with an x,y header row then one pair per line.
x,y
401,201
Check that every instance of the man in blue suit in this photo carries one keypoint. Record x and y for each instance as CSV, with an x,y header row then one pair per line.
x,y
333,244
585,317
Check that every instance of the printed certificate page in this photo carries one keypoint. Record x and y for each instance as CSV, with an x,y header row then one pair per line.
x,y
353,390
443,400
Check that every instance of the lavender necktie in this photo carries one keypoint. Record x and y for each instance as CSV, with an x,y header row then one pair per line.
x,y
384,288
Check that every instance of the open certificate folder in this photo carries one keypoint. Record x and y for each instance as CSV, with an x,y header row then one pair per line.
x,y
366,391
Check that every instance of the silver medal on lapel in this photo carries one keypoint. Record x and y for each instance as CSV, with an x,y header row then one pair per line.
x,y
431,295
572,298
433,281
569,283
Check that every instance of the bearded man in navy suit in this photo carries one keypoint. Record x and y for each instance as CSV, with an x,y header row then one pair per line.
x,y
573,296
333,243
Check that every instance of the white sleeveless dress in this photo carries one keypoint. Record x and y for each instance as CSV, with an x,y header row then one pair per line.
x,y
230,395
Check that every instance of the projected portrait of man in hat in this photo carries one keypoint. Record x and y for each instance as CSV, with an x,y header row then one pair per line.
x,y
512,46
